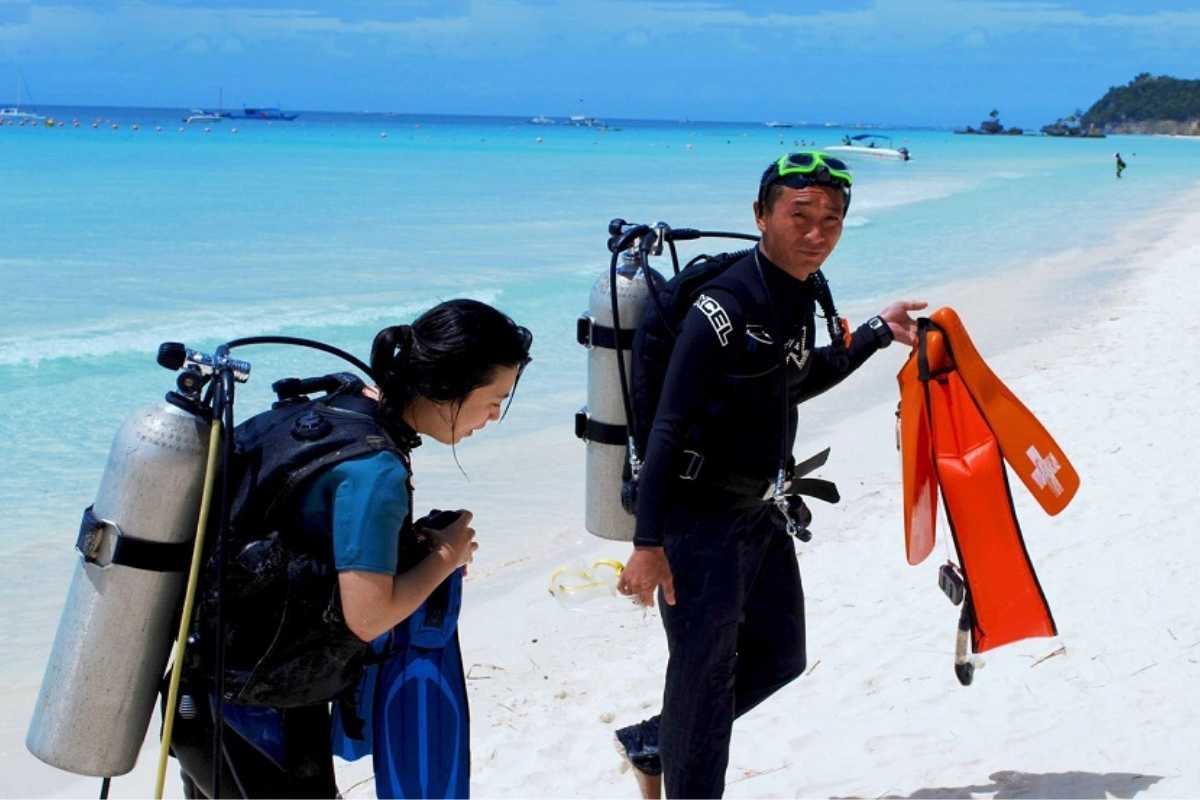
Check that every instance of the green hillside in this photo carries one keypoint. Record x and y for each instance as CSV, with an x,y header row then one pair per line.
x,y
1149,104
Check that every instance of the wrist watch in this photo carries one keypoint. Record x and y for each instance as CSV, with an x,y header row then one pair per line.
x,y
883,331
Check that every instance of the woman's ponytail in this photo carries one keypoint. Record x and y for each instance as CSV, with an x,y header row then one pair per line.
x,y
390,354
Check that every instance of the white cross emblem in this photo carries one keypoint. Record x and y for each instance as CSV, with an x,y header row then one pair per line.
x,y
1045,470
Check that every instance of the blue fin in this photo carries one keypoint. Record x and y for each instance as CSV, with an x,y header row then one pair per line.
x,y
423,716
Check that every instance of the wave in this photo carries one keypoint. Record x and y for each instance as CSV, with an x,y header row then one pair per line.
x,y
140,335
893,194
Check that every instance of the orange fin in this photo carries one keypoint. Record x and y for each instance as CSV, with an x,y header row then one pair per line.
x,y
916,457
1007,600
1028,448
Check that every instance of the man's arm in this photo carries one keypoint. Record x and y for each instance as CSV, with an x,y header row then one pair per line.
x,y
893,323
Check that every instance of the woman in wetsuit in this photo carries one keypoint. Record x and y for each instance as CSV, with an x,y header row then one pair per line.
x,y
380,583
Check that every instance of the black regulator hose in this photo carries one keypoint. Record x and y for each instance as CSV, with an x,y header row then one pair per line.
x,y
684,234
616,313
295,340
222,402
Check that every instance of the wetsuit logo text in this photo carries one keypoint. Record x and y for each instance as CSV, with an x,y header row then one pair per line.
x,y
797,353
717,317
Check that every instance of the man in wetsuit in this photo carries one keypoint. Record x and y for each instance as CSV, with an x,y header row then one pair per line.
x,y
721,556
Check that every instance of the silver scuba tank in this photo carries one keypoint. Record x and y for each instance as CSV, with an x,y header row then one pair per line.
x,y
602,423
117,628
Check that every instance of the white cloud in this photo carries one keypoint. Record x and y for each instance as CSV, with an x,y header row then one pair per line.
x,y
485,28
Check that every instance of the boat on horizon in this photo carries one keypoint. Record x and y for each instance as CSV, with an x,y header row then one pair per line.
x,y
201,115
15,114
864,144
262,113
541,120
776,124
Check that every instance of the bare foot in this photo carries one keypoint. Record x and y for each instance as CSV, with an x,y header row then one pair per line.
x,y
649,785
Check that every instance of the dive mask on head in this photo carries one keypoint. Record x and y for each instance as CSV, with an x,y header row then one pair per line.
x,y
808,168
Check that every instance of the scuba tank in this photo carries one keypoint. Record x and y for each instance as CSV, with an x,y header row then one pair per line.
x,y
615,309
603,422
115,633
138,544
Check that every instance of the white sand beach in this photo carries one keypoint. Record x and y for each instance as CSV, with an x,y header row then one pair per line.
x,y
1104,347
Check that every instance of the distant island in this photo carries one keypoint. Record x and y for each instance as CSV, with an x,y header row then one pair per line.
x,y
1073,125
1148,104
992,127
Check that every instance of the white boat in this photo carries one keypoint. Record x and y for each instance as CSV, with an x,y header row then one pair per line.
x,y
864,144
774,124
15,114
200,115
541,120
583,121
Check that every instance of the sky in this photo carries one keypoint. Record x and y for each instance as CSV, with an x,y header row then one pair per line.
x,y
910,62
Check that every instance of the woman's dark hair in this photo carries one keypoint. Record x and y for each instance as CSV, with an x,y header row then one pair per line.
x,y
445,354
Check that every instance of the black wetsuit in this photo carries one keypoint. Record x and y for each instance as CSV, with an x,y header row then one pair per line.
x,y
736,632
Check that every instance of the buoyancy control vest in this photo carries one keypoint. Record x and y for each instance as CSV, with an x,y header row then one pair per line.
x,y
656,336
286,642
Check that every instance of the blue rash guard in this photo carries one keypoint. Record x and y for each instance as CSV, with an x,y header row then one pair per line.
x,y
365,501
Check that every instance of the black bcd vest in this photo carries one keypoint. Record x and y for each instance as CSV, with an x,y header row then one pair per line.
x,y
286,642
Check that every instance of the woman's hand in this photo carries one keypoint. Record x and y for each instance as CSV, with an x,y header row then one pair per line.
x,y
373,603
646,571
455,541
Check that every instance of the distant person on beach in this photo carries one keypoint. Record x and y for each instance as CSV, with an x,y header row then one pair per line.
x,y
1120,165
378,592
709,538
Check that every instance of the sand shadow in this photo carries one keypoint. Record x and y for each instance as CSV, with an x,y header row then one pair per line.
x,y
1050,785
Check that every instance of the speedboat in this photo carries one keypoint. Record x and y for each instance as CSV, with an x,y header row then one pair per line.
x,y
867,144
541,120
774,124
200,115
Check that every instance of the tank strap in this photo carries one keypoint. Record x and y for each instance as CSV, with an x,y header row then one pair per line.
x,y
589,333
126,550
591,430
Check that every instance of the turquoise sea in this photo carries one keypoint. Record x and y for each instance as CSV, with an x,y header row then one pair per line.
x,y
335,225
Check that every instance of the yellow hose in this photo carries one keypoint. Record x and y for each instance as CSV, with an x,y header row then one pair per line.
x,y
210,472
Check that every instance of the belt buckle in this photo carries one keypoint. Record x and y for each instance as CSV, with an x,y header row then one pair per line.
x,y
695,462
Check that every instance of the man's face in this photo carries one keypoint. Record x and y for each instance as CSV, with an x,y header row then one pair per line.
x,y
802,228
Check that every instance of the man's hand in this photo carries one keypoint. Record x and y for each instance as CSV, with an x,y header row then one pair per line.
x,y
904,327
646,571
